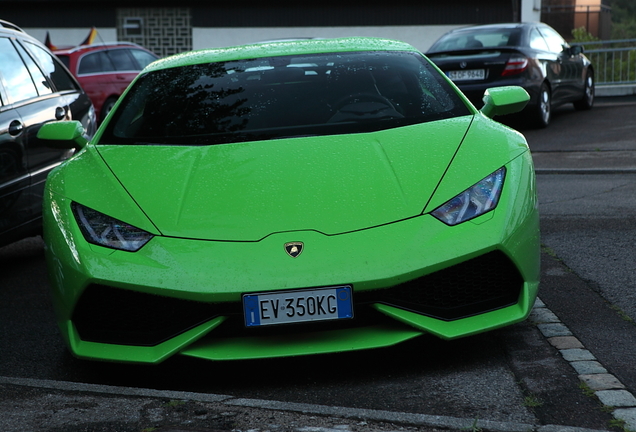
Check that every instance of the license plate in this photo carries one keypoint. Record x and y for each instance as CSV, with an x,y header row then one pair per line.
x,y
297,306
465,75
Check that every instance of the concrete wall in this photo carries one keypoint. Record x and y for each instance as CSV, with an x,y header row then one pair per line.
x,y
530,10
72,36
420,37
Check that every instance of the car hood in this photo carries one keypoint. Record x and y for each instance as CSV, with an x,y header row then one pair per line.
x,y
246,191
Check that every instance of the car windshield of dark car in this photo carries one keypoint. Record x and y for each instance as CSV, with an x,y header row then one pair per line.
x,y
282,97
478,38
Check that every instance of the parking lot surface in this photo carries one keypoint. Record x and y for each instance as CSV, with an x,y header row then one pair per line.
x,y
566,369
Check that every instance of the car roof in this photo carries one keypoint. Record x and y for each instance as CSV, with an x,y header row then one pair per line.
x,y
488,27
8,28
497,26
96,47
280,48
7,25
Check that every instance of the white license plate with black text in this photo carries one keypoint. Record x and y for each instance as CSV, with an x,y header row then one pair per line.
x,y
285,307
467,75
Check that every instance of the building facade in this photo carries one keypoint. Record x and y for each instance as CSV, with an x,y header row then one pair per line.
x,y
170,28
565,15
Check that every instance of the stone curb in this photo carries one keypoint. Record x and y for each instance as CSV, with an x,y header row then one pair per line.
x,y
400,418
609,390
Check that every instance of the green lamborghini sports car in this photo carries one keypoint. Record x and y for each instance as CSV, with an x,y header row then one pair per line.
x,y
290,198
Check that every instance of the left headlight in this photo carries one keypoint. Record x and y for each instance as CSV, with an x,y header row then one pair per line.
x,y
106,231
474,201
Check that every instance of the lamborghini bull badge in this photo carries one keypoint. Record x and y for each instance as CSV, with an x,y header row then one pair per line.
x,y
294,249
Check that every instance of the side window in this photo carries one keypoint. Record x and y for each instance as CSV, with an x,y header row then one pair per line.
x,y
122,60
89,64
56,73
143,58
18,82
108,65
41,84
536,41
554,40
96,62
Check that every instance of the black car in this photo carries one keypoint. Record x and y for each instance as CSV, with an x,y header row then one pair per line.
x,y
531,55
35,88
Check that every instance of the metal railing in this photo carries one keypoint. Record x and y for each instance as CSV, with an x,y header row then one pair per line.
x,y
614,61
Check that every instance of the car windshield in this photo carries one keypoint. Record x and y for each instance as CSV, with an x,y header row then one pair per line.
x,y
478,38
282,97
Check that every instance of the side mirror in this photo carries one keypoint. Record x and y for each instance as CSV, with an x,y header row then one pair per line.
x,y
576,50
500,101
63,135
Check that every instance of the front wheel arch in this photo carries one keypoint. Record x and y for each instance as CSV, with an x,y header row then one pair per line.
x,y
587,101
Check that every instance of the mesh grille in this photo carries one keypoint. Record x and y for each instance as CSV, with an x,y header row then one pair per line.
x,y
485,283
111,315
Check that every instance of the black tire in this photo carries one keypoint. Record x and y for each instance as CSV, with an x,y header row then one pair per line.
x,y
108,105
542,112
587,101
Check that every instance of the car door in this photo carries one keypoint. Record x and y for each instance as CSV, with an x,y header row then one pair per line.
x,y
14,179
566,71
17,206
105,74
64,91
96,73
30,98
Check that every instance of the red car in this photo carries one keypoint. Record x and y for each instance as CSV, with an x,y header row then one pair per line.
x,y
105,70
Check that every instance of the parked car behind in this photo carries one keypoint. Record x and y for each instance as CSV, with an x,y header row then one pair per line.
x,y
105,70
531,55
35,88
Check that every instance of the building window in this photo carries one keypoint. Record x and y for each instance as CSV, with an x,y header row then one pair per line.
x,y
133,26
165,31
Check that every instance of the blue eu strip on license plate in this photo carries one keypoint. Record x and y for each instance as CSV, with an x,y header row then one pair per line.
x,y
285,307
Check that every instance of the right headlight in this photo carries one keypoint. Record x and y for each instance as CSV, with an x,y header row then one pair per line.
x,y
109,232
474,201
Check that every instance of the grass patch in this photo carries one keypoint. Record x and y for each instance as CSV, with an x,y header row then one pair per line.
x,y
473,427
549,251
621,313
587,391
175,403
619,424
607,409
532,401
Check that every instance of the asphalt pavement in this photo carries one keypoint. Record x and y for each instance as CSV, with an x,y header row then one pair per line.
x,y
64,406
